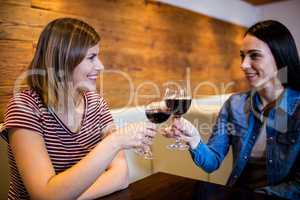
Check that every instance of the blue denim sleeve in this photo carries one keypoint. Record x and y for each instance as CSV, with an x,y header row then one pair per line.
x,y
210,156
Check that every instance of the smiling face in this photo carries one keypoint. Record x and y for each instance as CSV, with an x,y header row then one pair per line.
x,y
85,74
258,62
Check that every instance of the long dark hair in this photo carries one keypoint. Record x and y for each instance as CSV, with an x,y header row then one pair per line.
x,y
283,47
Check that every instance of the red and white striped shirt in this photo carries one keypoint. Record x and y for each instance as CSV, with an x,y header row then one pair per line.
x,y
26,110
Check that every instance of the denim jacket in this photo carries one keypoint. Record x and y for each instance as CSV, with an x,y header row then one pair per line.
x,y
238,125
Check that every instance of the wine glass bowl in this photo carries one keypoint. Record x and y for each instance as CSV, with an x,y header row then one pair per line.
x,y
178,106
157,112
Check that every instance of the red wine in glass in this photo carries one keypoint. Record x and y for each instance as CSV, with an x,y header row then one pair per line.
x,y
157,116
178,106
157,113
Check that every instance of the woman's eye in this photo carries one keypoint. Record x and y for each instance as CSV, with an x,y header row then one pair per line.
x,y
242,56
92,57
255,55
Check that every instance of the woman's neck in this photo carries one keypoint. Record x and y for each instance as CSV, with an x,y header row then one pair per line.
x,y
71,110
270,92
77,98
68,103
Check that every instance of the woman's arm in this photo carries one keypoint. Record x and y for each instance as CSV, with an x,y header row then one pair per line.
x,y
207,156
210,156
37,172
115,178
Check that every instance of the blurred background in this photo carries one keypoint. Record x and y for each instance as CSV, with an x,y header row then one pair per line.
x,y
144,42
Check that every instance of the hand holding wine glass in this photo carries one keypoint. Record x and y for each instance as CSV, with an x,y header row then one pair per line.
x,y
157,113
184,130
136,135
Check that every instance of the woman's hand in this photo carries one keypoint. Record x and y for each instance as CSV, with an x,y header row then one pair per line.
x,y
135,135
184,130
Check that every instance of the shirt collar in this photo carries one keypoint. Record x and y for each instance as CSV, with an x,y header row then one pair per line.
x,y
256,106
287,102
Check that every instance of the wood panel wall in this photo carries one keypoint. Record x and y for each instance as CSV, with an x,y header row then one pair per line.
x,y
145,43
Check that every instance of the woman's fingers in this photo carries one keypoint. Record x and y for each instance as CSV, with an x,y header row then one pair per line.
x,y
185,138
150,133
167,133
147,141
145,136
177,130
136,134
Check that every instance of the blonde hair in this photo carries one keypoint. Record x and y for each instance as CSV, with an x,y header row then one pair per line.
x,y
62,45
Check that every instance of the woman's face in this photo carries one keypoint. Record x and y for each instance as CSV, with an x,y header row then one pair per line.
x,y
257,62
86,73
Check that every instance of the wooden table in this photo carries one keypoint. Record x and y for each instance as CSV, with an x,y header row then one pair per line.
x,y
162,186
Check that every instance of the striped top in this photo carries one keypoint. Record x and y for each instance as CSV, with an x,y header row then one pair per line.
x,y
26,110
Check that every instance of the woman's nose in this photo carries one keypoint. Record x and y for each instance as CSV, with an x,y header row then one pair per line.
x,y
98,65
245,63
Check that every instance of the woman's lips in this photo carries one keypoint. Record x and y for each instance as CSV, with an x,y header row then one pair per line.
x,y
251,76
93,76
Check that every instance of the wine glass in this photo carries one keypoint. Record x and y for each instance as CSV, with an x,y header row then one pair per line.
x,y
178,100
156,112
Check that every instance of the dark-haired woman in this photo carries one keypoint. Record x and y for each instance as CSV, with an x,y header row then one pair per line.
x,y
62,140
262,125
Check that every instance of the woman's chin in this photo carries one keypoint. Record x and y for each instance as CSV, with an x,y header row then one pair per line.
x,y
91,89
88,88
258,86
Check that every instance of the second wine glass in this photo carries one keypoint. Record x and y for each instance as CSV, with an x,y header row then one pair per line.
x,y
178,100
